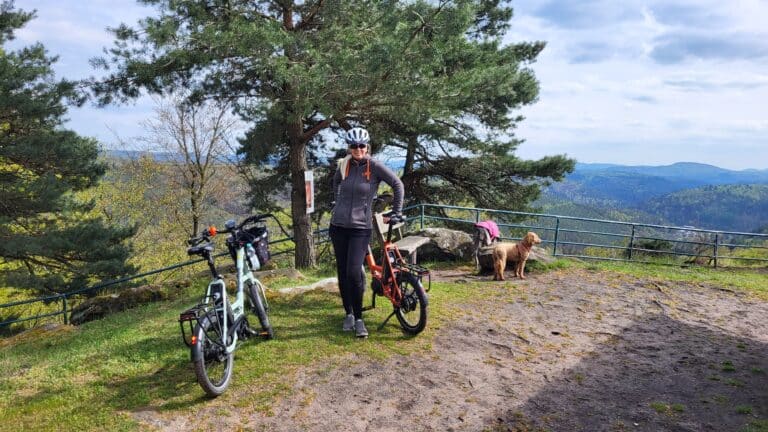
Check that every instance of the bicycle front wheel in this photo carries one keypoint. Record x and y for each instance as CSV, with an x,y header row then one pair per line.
x,y
259,306
213,366
412,312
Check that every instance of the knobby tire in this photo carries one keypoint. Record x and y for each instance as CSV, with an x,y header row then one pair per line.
x,y
259,307
214,370
412,321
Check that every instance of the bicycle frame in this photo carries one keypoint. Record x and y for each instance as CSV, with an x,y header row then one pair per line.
x,y
208,307
238,306
386,273
217,325
387,278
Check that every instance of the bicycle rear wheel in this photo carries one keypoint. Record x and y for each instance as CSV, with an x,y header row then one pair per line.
x,y
412,312
214,365
259,306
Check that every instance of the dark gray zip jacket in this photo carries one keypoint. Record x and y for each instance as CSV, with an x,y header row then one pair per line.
x,y
354,195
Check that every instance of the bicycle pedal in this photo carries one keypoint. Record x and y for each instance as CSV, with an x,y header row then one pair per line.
x,y
264,333
247,333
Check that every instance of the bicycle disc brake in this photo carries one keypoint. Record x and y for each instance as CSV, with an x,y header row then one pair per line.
x,y
410,301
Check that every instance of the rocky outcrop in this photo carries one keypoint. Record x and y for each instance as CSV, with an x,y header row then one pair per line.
x,y
98,307
453,245
445,245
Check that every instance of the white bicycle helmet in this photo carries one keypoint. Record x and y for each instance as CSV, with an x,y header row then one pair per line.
x,y
357,136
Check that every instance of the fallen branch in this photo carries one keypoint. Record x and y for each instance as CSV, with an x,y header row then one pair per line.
x,y
519,337
598,333
659,288
511,350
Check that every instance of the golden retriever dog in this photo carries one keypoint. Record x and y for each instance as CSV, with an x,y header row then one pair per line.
x,y
517,252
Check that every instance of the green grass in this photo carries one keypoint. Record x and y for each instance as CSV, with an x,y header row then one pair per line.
x,y
92,377
660,407
12,295
756,426
744,409
752,281
665,408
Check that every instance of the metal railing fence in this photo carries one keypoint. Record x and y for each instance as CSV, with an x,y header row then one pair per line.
x,y
570,236
567,236
65,298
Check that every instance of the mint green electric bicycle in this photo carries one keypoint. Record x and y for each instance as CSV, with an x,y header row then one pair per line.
x,y
213,328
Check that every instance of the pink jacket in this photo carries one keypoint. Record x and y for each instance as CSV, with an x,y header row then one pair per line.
x,y
491,227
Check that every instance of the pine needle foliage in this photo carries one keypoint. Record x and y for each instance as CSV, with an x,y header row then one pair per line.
x,y
47,240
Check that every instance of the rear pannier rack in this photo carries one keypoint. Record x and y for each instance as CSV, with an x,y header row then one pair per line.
x,y
417,270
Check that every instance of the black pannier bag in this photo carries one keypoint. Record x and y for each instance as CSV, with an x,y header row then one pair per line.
x,y
258,237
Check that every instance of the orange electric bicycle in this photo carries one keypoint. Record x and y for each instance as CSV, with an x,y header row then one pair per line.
x,y
400,282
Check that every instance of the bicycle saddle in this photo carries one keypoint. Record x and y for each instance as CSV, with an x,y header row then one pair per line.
x,y
197,250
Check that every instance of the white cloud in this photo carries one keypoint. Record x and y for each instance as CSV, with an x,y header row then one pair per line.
x,y
603,96
621,106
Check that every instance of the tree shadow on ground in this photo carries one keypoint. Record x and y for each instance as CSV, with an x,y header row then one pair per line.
x,y
171,386
659,374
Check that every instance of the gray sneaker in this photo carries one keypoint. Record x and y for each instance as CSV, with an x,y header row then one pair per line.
x,y
349,323
360,330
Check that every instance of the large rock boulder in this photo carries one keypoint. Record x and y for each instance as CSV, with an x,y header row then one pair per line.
x,y
445,245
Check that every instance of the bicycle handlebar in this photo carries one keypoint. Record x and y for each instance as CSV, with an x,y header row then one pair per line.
x,y
194,241
394,218
212,231
253,219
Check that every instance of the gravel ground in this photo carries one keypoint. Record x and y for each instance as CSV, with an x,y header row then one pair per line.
x,y
569,350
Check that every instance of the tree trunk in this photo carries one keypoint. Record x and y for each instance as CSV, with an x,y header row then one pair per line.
x,y
410,160
410,155
195,210
304,256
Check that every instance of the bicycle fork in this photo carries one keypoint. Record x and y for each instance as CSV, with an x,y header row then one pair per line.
x,y
376,285
383,278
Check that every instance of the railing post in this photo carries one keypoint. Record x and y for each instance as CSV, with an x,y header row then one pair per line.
x,y
717,242
422,216
64,306
557,233
631,243
477,216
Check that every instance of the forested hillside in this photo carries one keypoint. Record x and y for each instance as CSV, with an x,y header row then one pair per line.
x,y
596,209
735,207
616,187
680,194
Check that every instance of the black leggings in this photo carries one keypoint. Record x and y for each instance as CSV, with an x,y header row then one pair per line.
x,y
350,246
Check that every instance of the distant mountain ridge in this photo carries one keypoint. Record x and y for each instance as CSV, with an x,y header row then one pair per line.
x,y
393,163
741,207
684,193
158,156
685,170
631,185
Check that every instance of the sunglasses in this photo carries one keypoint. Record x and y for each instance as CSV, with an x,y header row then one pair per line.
x,y
358,146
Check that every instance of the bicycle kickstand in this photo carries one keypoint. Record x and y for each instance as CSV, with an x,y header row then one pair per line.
x,y
381,326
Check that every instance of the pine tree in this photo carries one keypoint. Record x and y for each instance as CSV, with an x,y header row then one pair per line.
x,y
47,243
415,71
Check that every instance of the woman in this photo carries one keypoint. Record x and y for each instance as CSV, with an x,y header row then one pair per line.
x,y
354,186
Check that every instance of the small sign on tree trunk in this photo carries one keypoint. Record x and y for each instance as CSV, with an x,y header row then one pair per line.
x,y
309,190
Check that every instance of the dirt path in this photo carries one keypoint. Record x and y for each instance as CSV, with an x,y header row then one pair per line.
x,y
569,351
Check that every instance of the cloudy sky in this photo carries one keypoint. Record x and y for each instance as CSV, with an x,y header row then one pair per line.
x,y
635,82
